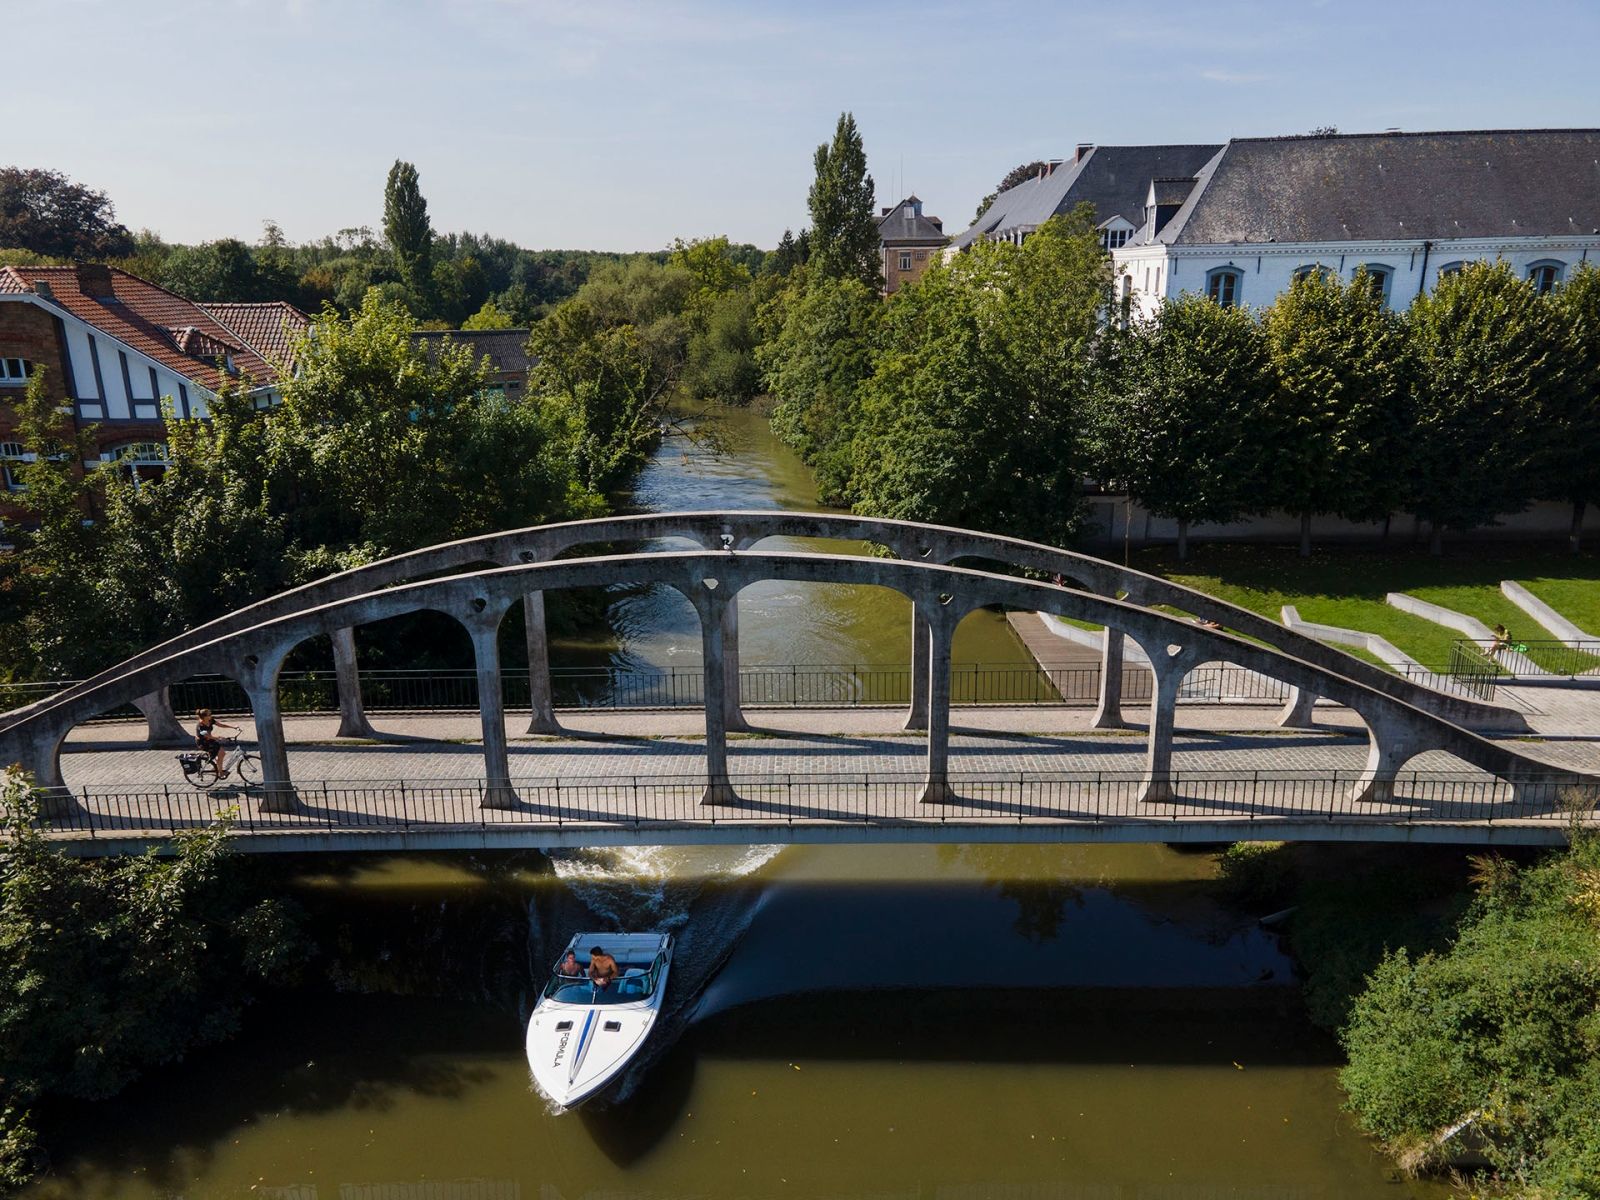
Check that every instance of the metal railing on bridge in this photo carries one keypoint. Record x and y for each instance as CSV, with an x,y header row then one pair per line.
x,y
793,685
875,799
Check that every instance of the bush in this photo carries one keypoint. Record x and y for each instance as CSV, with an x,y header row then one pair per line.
x,y
1258,875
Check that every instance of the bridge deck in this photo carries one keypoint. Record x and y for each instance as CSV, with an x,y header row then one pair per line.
x,y
821,775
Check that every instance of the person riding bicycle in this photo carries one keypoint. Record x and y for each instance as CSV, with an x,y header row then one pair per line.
x,y
205,736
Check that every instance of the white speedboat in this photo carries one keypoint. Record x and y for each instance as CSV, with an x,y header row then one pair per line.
x,y
583,1033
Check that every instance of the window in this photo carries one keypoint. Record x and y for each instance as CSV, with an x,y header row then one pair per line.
x,y
921,254
1222,285
1378,277
905,260
1545,274
1451,268
14,372
1113,239
1127,299
138,460
1310,269
12,455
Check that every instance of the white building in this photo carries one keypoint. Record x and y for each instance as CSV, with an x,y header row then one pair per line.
x,y
1407,206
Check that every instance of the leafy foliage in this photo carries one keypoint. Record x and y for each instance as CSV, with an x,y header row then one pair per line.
x,y
108,967
844,230
1018,174
405,225
1499,1034
46,213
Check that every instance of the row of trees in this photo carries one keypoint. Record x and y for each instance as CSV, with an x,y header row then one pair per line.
x,y
984,392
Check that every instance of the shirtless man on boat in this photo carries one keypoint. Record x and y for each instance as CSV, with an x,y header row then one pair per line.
x,y
602,967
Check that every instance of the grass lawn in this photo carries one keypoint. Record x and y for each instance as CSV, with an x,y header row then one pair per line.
x,y
1340,586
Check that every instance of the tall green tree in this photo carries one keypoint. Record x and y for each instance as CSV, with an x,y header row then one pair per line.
x,y
45,212
818,340
844,229
1184,425
1340,402
1568,465
1018,174
405,225
1491,356
979,395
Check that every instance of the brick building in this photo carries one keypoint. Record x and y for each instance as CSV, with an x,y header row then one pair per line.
x,y
114,348
909,241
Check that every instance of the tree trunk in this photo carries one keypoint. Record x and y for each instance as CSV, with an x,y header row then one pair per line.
x,y
1436,539
1305,535
1388,519
1183,540
1575,538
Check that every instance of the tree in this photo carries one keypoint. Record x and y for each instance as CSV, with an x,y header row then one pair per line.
x,y
792,252
715,271
1340,401
489,317
818,340
722,357
223,270
1185,425
47,213
1018,174
844,230
1568,466
405,225
976,405
1490,357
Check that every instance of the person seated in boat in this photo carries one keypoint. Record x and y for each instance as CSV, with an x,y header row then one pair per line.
x,y
570,966
602,967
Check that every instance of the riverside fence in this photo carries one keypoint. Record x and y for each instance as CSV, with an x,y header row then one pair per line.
x,y
653,804
793,685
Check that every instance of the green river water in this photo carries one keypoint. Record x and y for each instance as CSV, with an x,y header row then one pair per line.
x,y
946,1023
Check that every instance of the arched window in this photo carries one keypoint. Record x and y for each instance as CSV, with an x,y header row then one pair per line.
x,y
1545,274
1223,285
14,372
1451,268
1378,277
1310,269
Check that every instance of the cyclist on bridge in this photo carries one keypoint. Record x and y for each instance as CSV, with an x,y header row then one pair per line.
x,y
205,735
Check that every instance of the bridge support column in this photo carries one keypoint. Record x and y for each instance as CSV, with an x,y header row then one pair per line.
x,y
1108,712
712,605
1169,671
160,722
732,705
498,792
936,787
1297,709
40,760
353,721
921,649
258,675
542,719
1387,752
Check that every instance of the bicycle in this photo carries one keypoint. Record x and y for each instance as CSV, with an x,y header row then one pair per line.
x,y
200,769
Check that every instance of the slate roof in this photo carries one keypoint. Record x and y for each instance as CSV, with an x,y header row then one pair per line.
x,y
895,230
1115,179
1374,186
507,348
268,328
177,333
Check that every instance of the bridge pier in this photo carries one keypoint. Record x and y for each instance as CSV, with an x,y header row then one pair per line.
x,y
1169,670
921,649
712,604
485,632
257,674
160,722
1387,752
542,718
1108,712
1298,709
732,703
936,787
353,721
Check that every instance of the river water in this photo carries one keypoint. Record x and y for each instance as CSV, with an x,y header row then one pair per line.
x,y
946,1023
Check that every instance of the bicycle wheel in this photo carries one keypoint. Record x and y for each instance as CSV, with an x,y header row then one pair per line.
x,y
248,769
204,776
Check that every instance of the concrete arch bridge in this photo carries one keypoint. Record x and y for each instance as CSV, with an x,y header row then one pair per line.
x,y
477,581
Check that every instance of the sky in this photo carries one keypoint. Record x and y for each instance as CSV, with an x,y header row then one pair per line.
x,y
622,124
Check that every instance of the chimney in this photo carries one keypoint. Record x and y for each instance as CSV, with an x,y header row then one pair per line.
x,y
1083,148
94,281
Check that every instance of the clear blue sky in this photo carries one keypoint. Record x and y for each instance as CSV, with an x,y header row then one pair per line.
x,y
619,125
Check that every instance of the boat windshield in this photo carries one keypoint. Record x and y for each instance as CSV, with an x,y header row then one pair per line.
x,y
637,982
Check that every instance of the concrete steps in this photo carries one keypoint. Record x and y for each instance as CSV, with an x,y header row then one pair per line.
x,y
1548,618
1380,647
1517,664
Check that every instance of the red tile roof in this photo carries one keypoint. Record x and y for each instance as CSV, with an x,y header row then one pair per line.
x,y
177,333
268,328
